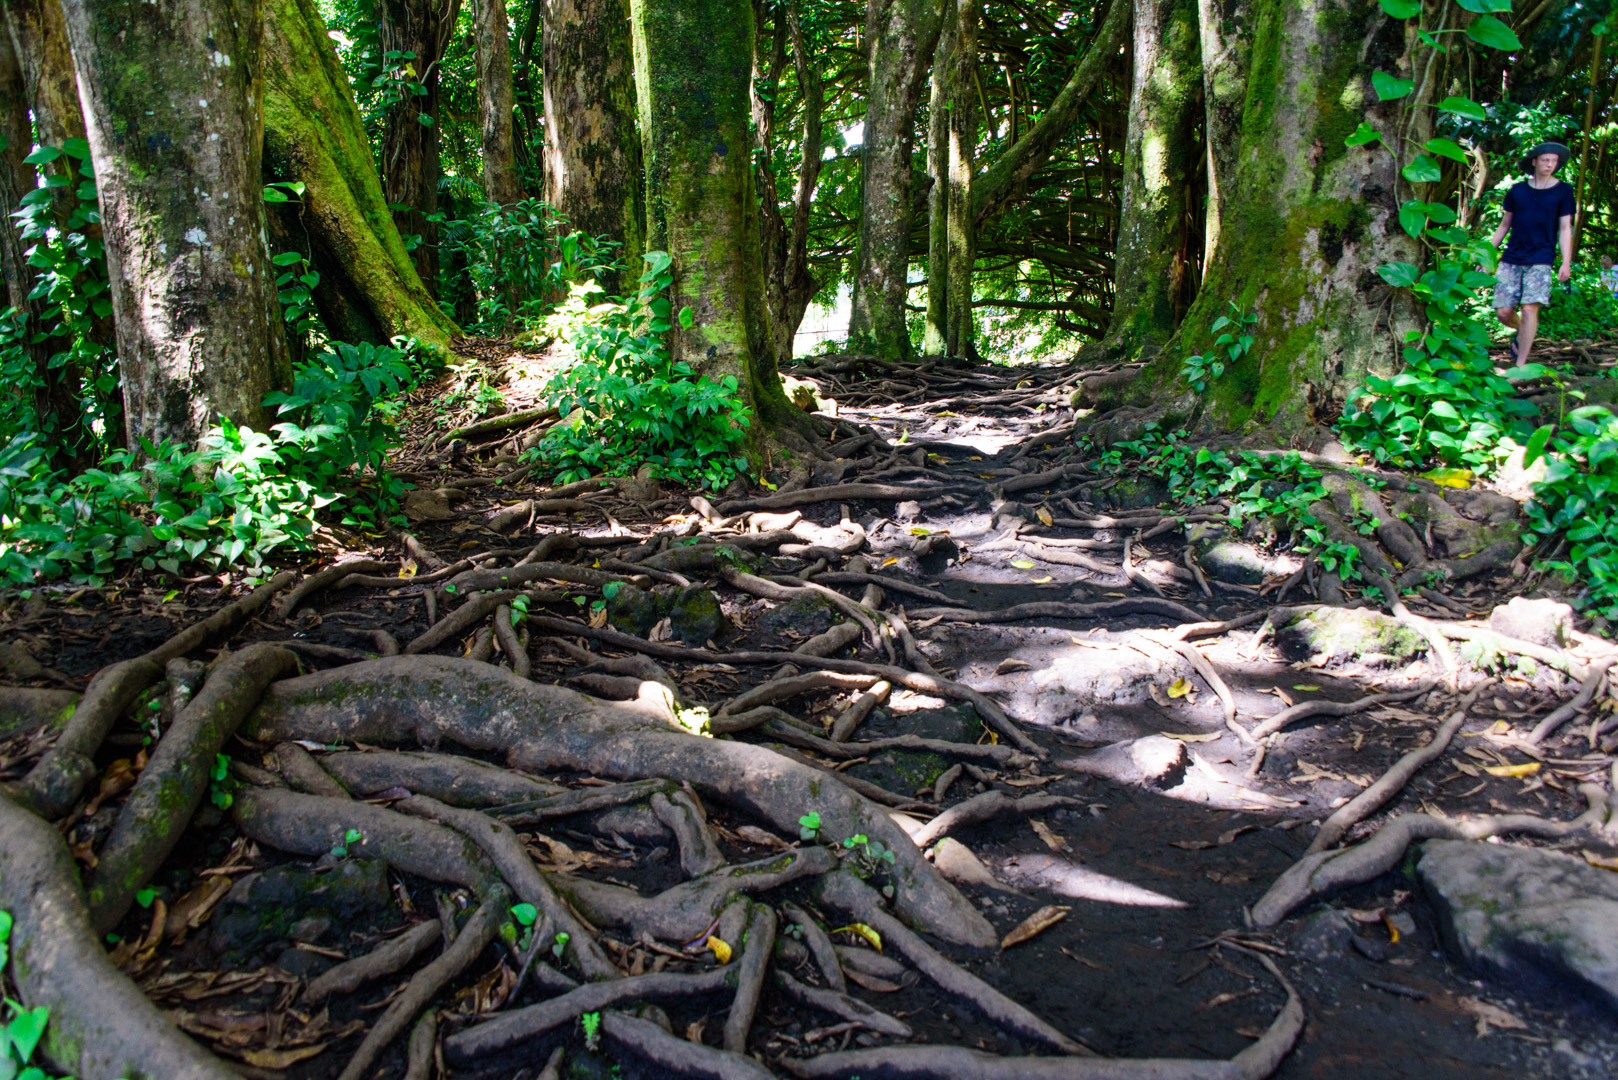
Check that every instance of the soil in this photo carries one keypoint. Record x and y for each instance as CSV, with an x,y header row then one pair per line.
x,y
1151,958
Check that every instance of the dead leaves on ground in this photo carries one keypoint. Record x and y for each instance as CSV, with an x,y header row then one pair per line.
x,y
1037,923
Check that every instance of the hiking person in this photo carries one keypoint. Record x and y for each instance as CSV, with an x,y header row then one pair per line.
x,y
1539,217
1609,276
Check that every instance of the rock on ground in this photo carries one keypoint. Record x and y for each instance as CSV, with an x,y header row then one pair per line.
x,y
1525,913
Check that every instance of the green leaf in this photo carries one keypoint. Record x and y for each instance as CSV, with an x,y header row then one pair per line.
x,y
145,897
43,156
1463,106
686,318
1390,87
1363,135
1424,170
1402,9
1536,444
1490,31
77,149
1413,216
526,914
1446,148
26,1028
1398,274
1484,7
426,121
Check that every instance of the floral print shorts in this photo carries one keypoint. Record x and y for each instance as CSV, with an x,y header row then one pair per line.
x,y
1516,285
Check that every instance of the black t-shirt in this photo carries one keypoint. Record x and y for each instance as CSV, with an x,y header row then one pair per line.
x,y
1534,219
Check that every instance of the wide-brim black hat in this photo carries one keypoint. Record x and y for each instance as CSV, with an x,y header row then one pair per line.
x,y
1562,154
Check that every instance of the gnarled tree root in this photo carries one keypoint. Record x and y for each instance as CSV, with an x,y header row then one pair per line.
x,y
427,699
384,960
1327,871
676,1057
986,807
840,1005
853,897
758,945
449,778
101,1025
175,780
1304,710
959,1063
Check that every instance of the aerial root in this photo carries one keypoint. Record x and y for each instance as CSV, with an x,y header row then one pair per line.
x,y
477,935
1390,783
1569,709
101,1025
758,945
859,901
1325,872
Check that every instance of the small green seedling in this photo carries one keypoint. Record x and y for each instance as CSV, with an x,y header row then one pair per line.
x,y
809,826
561,944
591,1023
219,779
350,838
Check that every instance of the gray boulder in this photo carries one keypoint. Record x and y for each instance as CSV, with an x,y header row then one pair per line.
x,y
1543,622
1538,916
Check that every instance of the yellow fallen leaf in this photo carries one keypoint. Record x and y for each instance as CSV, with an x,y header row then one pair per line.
x,y
282,1059
985,476
1179,688
1041,580
408,568
1305,686
1022,564
1527,768
1047,834
1500,728
719,947
1044,516
889,562
863,931
1040,921
1393,931
1601,861
1208,736
1450,478
919,531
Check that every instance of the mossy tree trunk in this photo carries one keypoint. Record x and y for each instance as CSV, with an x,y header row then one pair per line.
x,y
900,38
1158,253
693,66
173,94
788,284
952,137
38,35
592,149
493,43
369,289
410,163
1301,221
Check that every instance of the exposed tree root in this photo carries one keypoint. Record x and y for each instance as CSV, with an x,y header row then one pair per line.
x,y
302,772
960,1063
325,579
101,1025
757,945
511,1028
677,1057
1059,609
428,699
1569,709
449,778
781,689
1324,872
986,807
840,1005
477,935
699,847
175,780
819,945
1390,783
1304,710
854,898
380,962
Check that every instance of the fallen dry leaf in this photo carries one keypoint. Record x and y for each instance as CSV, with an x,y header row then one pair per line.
x,y
1489,1016
866,932
281,1059
1012,664
192,910
871,982
1207,736
1044,516
719,947
1225,837
1052,841
1602,861
1527,768
1040,921
1179,688
755,835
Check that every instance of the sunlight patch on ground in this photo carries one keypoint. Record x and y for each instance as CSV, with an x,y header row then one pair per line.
x,y
1067,878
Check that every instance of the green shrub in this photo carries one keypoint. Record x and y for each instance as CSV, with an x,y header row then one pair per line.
x,y
626,404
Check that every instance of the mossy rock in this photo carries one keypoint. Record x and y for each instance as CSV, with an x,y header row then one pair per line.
x,y
1330,637
806,615
264,908
1136,493
694,615
902,772
634,611
1233,562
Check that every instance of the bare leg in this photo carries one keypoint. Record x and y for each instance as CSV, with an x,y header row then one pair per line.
x,y
1525,336
1508,315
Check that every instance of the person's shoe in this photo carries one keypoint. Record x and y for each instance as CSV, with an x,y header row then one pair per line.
x,y
1515,338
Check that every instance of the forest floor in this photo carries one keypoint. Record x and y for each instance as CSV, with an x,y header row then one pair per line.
x,y
958,571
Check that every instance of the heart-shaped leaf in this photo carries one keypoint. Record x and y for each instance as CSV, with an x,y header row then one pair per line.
x,y
1390,87
1490,31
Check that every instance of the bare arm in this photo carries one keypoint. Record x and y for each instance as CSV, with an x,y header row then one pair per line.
x,y
1500,233
1566,238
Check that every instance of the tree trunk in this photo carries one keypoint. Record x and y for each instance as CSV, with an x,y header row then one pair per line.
x,y
39,38
410,165
500,180
788,284
369,289
173,92
1155,264
960,228
1303,220
693,67
57,412
900,37
592,149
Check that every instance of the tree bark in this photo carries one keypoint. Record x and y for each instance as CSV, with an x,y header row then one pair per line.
x,y
493,39
951,157
693,66
592,149
1302,220
1156,266
788,283
172,92
369,289
900,37
410,164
